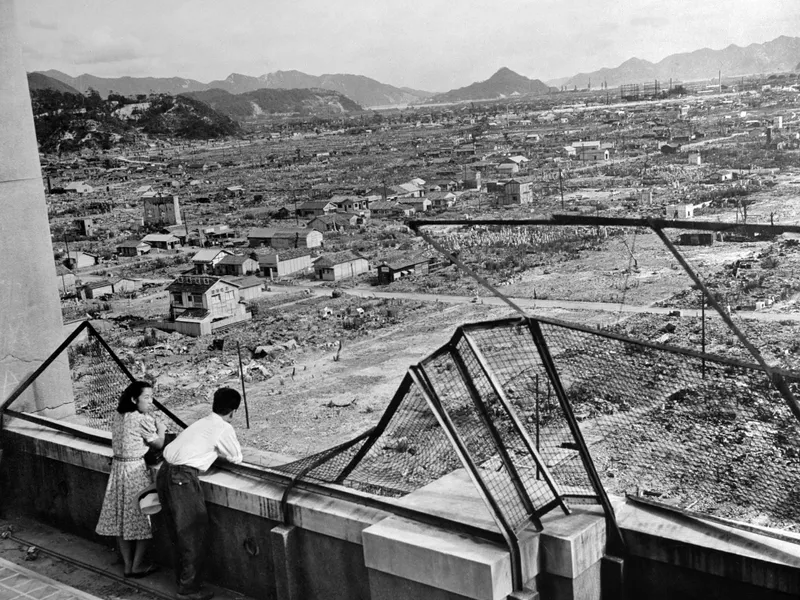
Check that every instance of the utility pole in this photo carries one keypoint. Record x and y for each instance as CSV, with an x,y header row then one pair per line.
x,y
561,186
66,244
186,223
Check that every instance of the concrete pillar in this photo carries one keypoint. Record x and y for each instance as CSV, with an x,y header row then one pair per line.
x,y
284,557
30,312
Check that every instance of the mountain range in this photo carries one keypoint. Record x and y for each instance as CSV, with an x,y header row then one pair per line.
x,y
779,55
360,89
247,105
505,83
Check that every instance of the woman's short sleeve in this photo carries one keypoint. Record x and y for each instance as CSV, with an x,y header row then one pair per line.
x,y
148,428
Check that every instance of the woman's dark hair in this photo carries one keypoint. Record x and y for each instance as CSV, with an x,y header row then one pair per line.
x,y
127,401
226,400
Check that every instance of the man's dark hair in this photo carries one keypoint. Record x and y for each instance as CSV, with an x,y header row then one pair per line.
x,y
226,400
128,399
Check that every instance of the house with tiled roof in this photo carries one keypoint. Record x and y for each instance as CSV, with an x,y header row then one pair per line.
x,y
340,265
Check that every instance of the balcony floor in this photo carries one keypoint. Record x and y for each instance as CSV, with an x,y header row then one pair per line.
x,y
69,567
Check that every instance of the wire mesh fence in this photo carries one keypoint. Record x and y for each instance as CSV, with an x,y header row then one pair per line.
x,y
98,380
454,385
699,432
511,354
411,451
702,433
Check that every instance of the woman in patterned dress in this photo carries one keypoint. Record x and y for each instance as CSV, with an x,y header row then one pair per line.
x,y
133,431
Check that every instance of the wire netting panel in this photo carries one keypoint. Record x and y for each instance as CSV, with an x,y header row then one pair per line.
x,y
523,460
454,395
411,452
703,434
98,382
511,355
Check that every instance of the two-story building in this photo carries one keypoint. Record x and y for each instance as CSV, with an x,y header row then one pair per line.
x,y
518,190
161,210
201,303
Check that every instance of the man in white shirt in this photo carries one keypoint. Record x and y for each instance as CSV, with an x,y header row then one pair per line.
x,y
182,502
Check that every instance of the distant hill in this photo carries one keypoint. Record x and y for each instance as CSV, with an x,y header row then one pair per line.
x,y
503,84
312,101
361,90
40,81
73,121
779,55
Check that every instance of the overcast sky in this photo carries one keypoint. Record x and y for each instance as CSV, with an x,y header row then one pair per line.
x,y
434,45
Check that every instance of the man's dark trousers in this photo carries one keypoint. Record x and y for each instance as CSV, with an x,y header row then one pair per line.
x,y
183,509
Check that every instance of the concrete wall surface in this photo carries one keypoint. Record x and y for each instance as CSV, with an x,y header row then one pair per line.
x,y
334,548
676,556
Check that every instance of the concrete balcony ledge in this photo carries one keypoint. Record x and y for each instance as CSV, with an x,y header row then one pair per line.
x,y
693,545
440,559
246,493
565,555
